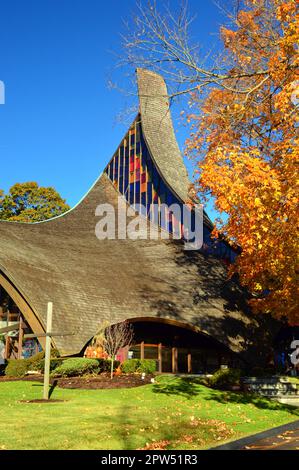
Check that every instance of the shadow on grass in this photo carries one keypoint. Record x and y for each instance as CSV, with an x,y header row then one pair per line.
x,y
189,388
51,389
183,386
256,400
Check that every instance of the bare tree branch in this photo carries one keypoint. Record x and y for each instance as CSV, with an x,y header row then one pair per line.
x,y
113,337
160,39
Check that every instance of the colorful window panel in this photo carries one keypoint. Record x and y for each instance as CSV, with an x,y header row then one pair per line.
x,y
136,177
121,171
115,174
137,192
132,138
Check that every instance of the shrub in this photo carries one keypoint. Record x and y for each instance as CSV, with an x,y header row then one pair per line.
x,y
37,362
36,359
130,365
54,363
2,368
77,366
223,379
74,366
80,366
17,367
105,365
147,366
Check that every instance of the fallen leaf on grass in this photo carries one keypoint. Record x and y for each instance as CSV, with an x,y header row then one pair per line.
x,y
188,438
159,445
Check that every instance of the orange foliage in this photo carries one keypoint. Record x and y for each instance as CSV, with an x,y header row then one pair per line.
x,y
245,142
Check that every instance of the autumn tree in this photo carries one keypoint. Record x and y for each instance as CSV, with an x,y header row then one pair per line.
x,y
29,202
244,132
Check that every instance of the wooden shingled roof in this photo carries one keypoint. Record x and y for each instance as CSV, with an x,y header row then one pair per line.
x,y
89,280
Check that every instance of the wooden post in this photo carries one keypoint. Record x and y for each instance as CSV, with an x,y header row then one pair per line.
x,y
189,360
160,356
174,360
142,350
20,340
7,347
48,351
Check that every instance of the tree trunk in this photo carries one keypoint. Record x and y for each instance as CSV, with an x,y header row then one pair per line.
x,y
112,363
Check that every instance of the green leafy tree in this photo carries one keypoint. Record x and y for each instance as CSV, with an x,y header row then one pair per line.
x,y
29,202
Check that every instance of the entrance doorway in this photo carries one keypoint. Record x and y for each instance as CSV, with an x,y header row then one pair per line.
x,y
178,349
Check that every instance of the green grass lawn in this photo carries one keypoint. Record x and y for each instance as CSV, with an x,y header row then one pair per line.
x,y
174,413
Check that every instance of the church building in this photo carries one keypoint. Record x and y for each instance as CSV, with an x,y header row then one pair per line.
x,y
185,312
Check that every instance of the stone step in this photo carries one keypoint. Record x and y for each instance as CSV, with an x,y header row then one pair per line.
x,y
271,386
274,393
267,380
288,400
276,390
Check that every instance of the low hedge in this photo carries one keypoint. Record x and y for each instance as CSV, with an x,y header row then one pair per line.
x,y
105,365
129,366
37,362
2,369
17,367
74,366
78,366
147,366
224,379
54,363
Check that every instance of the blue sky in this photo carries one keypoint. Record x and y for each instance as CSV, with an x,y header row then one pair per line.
x,y
59,122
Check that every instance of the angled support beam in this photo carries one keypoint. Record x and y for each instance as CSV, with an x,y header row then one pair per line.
x,y
7,347
7,329
20,340
23,306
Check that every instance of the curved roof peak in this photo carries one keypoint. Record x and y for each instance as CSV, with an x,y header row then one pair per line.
x,y
159,132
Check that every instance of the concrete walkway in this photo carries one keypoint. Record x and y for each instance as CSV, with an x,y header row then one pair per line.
x,y
284,437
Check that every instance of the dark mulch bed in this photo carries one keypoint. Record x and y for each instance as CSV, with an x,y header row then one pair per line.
x,y
37,378
104,381
101,381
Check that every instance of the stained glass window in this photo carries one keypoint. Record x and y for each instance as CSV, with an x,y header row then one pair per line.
x,y
136,177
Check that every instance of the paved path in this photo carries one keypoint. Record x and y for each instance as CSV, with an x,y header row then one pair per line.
x,y
284,437
288,440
